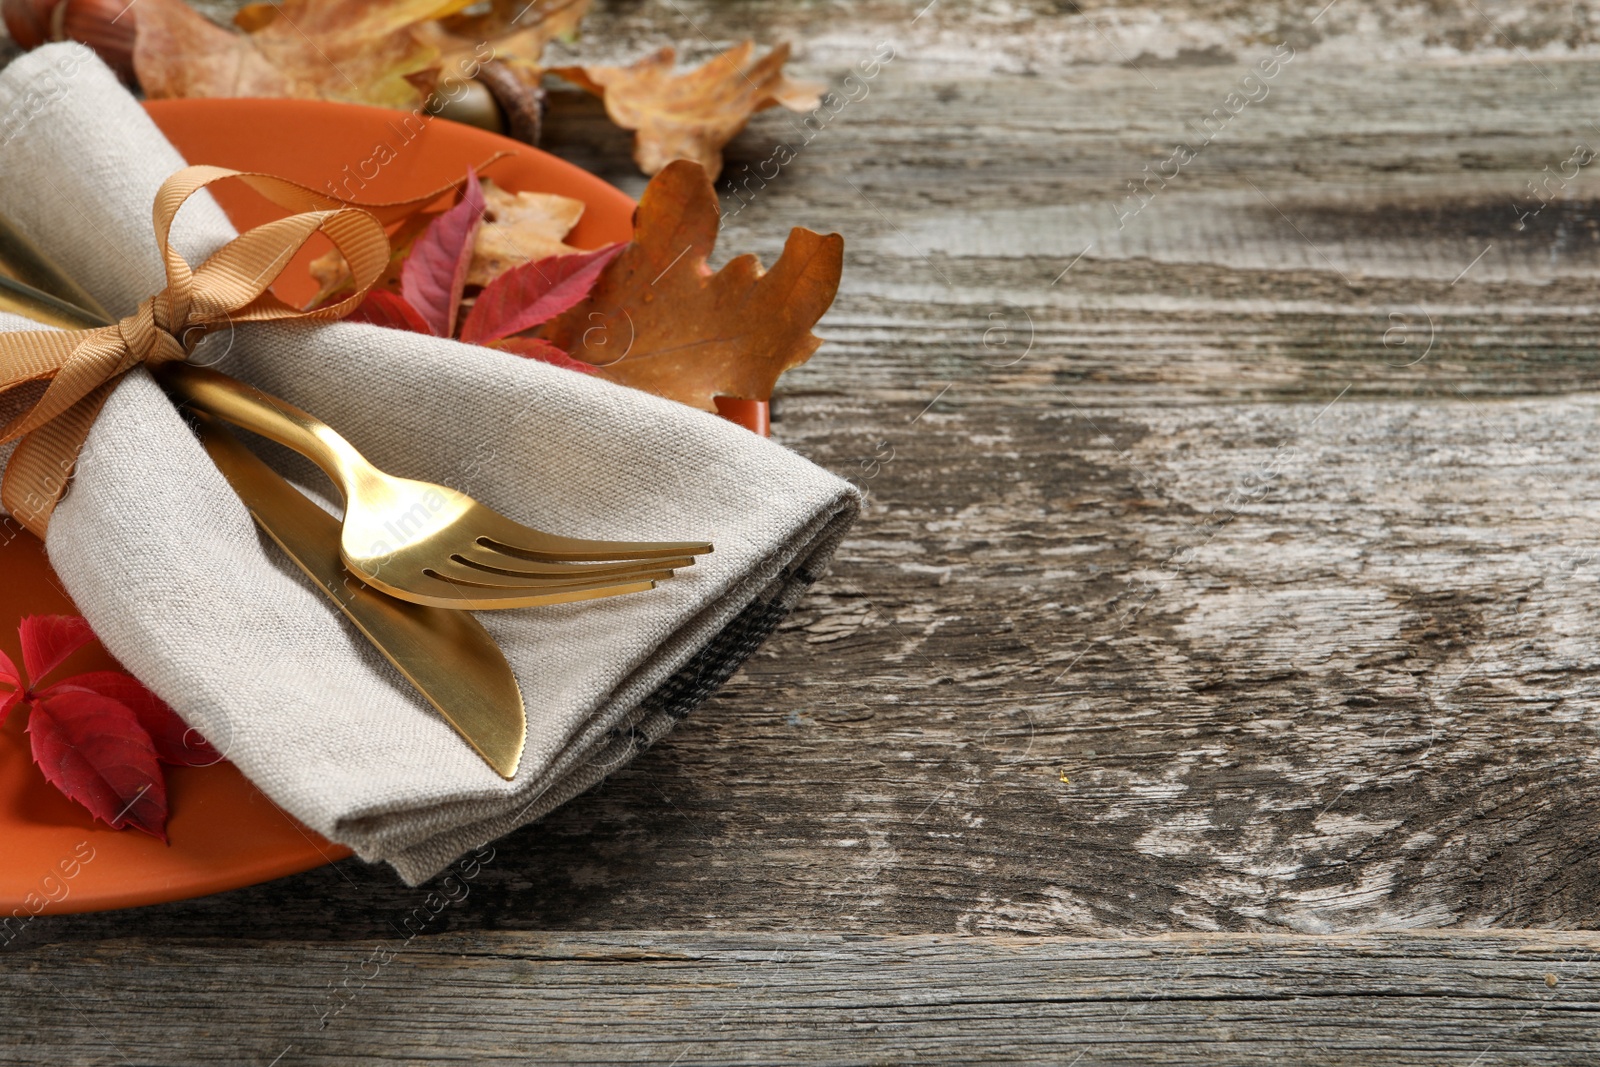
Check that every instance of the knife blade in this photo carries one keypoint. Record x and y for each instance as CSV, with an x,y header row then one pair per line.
x,y
445,654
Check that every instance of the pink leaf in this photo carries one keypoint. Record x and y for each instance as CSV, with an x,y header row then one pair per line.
x,y
49,639
544,352
525,296
436,270
93,749
174,740
382,308
9,674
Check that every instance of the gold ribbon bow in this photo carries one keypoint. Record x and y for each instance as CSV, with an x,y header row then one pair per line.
x,y
233,285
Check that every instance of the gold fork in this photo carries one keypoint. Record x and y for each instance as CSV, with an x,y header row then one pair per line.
x,y
415,540
428,543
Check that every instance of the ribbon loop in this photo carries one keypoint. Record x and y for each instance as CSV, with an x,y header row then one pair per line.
x,y
234,284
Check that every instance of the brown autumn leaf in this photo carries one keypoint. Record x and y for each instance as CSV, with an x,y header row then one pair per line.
x,y
692,115
661,320
178,52
351,50
520,228
517,31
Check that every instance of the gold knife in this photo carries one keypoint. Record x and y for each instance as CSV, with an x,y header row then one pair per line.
x,y
22,262
445,653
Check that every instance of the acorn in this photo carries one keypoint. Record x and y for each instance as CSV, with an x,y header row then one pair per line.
x,y
468,102
107,26
521,104
496,99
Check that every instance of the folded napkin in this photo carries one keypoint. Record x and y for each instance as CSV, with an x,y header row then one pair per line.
x,y
168,567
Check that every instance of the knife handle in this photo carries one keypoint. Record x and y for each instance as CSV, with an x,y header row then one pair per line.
x,y
22,262
20,298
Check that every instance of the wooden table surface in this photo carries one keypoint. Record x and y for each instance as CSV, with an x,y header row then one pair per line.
x,y
1213,677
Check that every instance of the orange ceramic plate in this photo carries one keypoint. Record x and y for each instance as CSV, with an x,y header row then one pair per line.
x,y
224,832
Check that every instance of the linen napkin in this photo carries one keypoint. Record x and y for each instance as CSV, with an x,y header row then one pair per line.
x,y
168,567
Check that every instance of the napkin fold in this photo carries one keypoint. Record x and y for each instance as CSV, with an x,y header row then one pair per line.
x,y
181,587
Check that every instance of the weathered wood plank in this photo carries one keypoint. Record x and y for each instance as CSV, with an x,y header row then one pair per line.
x,y
687,998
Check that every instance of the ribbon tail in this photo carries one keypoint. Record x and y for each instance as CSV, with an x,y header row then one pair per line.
x,y
35,355
98,357
36,478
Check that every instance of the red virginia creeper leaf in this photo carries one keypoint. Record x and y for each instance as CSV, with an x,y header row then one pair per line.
x,y
175,741
12,699
436,271
544,352
526,296
93,749
49,639
9,675
382,308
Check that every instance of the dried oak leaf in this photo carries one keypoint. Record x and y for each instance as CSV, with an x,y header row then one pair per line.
x,y
520,228
512,32
660,320
178,52
692,115
351,50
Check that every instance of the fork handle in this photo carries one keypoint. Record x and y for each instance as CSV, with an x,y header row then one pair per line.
x,y
277,420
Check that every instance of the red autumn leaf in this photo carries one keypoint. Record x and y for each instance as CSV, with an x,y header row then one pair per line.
x,y
534,293
9,676
98,737
175,740
436,271
49,639
544,352
93,749
382,308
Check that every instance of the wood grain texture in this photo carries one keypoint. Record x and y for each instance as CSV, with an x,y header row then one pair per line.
x,y
686,998
1230,566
